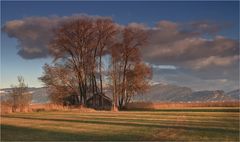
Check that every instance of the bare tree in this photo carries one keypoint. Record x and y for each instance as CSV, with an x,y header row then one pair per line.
x,y
78,48
80,44
60,82
126,61
137,81
20,97
106,30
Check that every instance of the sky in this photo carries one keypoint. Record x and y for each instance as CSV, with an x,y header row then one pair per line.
x,y
192,44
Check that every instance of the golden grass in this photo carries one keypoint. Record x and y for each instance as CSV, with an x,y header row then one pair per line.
x,y
123,125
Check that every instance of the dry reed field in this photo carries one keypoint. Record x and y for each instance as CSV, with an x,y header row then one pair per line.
x,y
173,105
5,109
185,125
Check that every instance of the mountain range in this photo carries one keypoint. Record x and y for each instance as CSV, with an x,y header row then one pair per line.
x,y
39,95
156,93
173,93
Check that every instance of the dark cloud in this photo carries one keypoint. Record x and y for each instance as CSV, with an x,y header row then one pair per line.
x,y
34,33
170,43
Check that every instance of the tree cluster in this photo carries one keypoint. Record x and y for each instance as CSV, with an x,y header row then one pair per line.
x,y
78,50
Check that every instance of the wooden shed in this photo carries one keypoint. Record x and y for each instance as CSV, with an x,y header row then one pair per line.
x,y
100,102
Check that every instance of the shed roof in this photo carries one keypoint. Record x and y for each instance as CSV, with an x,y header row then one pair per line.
x,y
100,94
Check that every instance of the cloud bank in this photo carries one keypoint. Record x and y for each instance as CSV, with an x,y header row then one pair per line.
x,y
193,51
172,43
169,42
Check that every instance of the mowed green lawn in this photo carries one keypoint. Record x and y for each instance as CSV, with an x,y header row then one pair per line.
x,y
185,125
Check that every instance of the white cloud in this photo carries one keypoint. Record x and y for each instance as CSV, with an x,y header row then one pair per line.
x,y
168,67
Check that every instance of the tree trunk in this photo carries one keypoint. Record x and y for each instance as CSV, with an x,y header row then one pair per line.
x,y
100,70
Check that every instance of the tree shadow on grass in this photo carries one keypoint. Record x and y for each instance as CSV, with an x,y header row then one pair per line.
x,y
16,133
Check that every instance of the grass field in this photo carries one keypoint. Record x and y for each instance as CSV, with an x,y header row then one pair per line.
x,y
166,125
